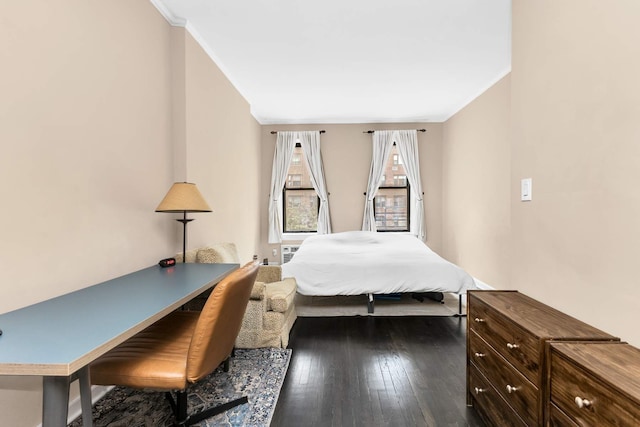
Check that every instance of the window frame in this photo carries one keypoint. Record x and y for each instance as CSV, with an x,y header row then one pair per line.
x,y
284,210
406,187
293,189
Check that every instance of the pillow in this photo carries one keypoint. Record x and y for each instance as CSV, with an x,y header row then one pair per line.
x,y
219,253
191,256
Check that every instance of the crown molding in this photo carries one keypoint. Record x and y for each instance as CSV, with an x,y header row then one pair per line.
x,y
168,15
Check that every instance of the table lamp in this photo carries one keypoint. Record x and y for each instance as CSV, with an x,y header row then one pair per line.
x,y
183,197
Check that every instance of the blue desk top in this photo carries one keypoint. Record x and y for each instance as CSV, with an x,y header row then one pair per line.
x,y
63,334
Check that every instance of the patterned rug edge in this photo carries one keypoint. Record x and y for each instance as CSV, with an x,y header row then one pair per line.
x,y
281,382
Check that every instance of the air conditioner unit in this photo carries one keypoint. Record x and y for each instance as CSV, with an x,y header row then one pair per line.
x,y
287,252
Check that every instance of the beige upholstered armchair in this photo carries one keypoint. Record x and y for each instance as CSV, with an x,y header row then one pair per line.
x,y
270,314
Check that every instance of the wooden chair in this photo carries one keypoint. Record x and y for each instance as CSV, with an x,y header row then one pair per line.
x,y
182,348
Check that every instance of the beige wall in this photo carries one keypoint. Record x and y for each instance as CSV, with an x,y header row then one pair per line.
x,y
104,105
223,149
571,105
94,94
575,131
476,187
346,153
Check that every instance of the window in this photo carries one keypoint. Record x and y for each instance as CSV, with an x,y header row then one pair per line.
x,y
391,204
294,180
301,202
399,180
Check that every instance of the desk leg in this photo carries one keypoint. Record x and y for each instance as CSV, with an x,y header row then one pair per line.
x,y
85,396
55,401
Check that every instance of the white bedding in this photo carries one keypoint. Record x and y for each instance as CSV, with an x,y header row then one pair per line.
x,y
363,262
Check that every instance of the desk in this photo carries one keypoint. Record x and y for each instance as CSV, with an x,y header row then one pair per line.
x,y
60,337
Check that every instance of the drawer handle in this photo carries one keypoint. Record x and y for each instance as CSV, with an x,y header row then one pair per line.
x,y
476,354
511,389
582,403
478,320
479,390
511,346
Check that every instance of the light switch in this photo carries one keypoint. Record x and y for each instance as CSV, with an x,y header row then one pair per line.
x,y
525,189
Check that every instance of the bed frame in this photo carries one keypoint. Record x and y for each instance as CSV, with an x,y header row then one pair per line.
x,y
371,300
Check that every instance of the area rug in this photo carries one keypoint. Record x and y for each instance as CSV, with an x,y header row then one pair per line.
x,y
356,305
255,373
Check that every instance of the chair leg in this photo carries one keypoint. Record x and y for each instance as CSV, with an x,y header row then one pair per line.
x,y
225,366
179,407
208,413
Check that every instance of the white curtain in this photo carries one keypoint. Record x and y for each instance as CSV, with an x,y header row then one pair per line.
x,y
407,144
382,143
310,142
285,144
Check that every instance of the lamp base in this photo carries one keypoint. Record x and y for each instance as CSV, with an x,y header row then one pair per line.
x,y
184,222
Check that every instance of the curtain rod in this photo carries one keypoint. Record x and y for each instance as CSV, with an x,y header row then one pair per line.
x,y
373,131
273,132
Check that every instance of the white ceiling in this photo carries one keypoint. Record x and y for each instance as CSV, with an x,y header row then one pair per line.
x,y
352,61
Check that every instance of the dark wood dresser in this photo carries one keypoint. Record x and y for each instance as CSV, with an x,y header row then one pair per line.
x,y
507,333
594,384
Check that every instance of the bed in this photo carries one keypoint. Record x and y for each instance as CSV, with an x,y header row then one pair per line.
x,y
370,263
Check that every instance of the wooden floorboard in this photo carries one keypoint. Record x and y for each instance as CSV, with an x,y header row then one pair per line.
x,y
376,371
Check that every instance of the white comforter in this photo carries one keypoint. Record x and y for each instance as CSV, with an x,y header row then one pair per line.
x,y
362,262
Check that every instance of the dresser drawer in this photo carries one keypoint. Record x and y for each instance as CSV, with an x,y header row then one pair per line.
x,y
489,402
518,347
519,392
512,331
586,395
557,418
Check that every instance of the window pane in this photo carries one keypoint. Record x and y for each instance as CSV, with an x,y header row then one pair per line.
x,y
391,213
301,213
300,201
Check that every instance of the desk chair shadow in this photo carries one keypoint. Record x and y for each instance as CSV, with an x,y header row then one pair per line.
x,y
182,348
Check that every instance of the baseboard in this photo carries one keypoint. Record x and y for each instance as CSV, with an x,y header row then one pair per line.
x,y
75,408
481,285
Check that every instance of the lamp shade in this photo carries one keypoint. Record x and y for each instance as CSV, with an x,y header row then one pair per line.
x,y
183,197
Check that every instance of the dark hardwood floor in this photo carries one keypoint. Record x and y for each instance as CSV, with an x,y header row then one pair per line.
x,y
376,371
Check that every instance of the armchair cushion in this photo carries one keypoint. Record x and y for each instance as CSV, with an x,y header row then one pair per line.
x,y
258,291
190,256
219,253
269,273
280,295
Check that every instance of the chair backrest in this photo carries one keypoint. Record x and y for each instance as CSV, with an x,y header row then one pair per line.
x,y
219,322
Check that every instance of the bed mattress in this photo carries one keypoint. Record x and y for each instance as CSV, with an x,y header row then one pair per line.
x,y
364,262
